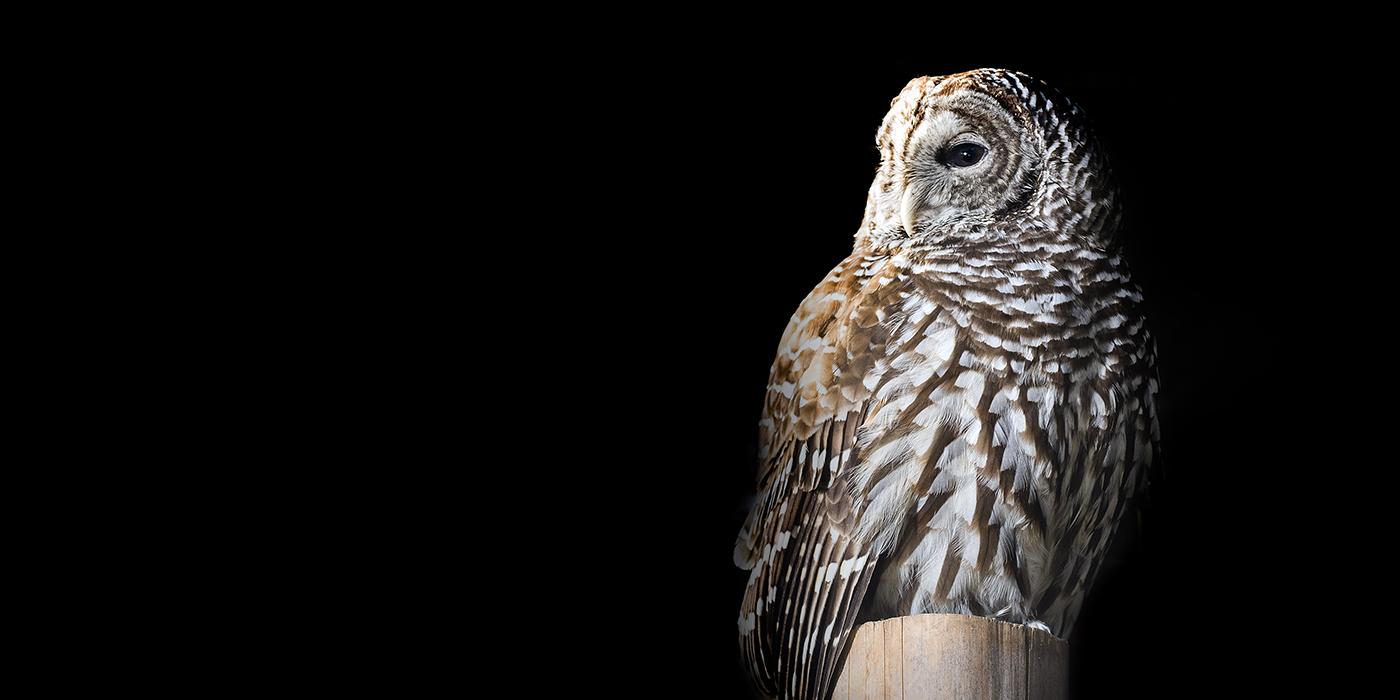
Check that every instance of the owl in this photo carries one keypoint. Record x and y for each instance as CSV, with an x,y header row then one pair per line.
x,y
961,411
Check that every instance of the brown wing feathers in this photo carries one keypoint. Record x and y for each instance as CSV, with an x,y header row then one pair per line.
x,y
810,572
805,593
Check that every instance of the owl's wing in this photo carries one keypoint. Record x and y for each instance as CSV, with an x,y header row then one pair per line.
x,y
810,567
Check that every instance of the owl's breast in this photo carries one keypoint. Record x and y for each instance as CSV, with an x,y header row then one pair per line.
x,y
1002,409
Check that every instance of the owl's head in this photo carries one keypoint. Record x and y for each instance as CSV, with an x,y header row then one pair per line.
x,y
986,153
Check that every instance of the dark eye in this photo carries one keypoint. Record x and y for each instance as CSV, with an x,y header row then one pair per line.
x,y
963,155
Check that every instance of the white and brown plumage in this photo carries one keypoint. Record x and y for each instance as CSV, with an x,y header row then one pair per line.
x,y
959,413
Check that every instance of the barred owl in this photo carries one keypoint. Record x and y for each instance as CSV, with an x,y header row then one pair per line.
x,y
961,410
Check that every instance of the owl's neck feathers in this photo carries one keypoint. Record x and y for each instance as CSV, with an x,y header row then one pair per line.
x,y
1053,216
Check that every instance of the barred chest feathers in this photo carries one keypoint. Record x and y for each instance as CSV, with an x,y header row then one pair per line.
x,y
1005,424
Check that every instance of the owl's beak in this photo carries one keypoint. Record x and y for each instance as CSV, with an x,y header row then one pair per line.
x,y
909,211
917,205
914,205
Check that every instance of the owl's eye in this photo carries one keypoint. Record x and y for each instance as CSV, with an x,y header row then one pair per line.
x,y
963,155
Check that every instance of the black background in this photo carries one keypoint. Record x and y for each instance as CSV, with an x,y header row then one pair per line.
x,y
744,178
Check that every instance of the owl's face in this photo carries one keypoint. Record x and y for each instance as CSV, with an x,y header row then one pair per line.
x,y
970,152
965,158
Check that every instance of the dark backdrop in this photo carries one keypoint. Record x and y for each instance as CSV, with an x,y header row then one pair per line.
x,y
744,176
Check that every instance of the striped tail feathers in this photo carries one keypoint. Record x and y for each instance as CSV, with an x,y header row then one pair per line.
x,y
809,580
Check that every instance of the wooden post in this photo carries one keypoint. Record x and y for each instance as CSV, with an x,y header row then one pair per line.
x,y
953,656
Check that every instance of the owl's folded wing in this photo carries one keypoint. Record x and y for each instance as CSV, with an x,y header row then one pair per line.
x,y
810,569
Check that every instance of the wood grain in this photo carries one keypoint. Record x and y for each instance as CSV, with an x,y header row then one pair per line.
x,y
952,656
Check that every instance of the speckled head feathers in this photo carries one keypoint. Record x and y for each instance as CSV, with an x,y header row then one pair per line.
x,y
986,154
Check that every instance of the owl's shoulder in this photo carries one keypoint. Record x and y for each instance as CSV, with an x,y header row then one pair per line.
x,y
830,345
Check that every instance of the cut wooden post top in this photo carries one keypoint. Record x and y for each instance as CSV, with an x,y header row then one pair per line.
x,y
953,656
